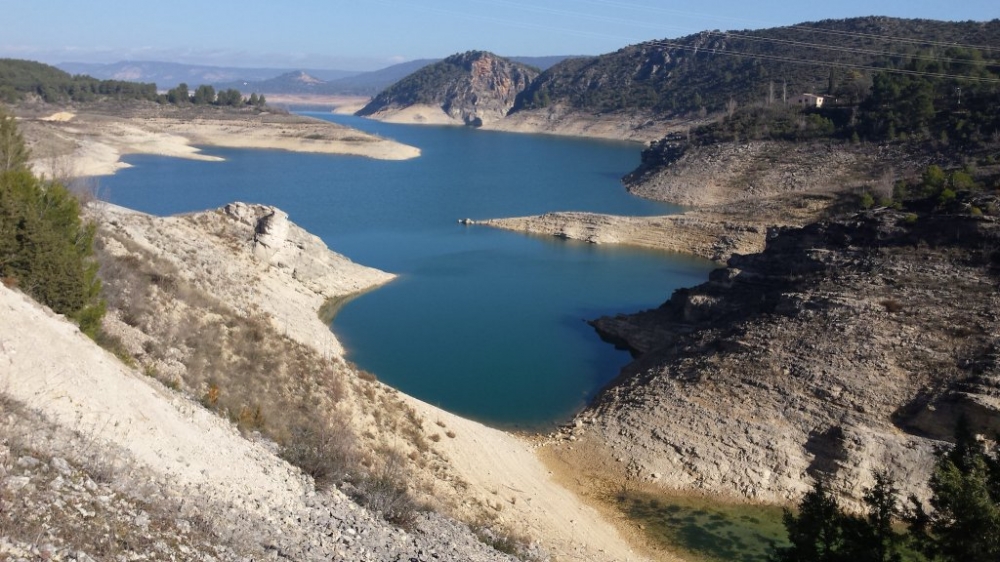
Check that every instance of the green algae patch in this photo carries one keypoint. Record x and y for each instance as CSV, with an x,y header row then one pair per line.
x,y
705,529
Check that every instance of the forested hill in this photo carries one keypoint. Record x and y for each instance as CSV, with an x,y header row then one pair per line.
x,y
475,86
19,78
703,72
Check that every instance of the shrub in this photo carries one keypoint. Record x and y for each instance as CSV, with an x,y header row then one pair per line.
x,y
946,196
329,455
249,417
867,201
211,398
384,490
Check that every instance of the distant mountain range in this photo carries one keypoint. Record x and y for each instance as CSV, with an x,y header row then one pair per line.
x,y
267,80
169,74
313,82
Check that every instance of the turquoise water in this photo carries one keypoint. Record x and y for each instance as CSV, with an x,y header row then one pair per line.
x,y
484,323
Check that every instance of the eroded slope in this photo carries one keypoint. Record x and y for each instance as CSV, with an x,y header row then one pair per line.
x,y
845,346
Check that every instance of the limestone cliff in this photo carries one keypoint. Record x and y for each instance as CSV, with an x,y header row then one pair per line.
x,y
473,88
845,346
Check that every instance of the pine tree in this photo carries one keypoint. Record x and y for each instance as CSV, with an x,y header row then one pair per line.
x,y
13,152
45,247
966,519
878,541
816,533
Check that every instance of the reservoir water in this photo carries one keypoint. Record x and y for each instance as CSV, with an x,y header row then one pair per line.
x,y
484,323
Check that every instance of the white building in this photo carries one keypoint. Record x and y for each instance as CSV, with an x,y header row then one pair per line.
x,y
808,100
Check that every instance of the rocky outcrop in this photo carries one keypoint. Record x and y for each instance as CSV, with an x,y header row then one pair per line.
x,y
845,346
473,88
250,256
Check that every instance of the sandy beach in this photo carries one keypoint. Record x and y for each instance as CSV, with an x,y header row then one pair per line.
x,y
68,144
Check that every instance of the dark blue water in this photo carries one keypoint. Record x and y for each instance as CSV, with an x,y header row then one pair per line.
x,y
484,323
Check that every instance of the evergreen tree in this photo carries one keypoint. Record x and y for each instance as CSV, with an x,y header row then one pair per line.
x,y
816,534
45,247
964,524
822,532
230,97
204,95
179,95
877,541
13,152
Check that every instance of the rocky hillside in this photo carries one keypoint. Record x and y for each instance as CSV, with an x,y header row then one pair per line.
x,y
707,69
845,346
473,88
697,176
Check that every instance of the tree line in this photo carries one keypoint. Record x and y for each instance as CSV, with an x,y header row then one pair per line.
x,y
961,523
20,78
206,95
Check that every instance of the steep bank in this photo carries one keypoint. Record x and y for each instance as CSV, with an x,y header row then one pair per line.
x,y
222,273
249,256
90,140
845,346
97,460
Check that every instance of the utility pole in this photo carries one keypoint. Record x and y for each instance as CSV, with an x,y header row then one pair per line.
x,y
784,92
770,92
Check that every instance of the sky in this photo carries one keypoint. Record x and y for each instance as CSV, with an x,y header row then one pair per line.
x,y
371,34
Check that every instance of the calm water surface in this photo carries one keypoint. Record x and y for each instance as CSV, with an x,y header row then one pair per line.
x,y
484,323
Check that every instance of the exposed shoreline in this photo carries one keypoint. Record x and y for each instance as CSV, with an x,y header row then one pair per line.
x,y
696,233
714,233
497,469
67,144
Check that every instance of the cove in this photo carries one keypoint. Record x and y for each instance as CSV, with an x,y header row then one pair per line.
x,y
483,323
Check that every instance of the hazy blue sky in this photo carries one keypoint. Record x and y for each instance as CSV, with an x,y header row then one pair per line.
x,y
368,34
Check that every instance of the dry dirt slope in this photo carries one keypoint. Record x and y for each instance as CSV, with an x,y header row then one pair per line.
x,y
170,444
252,259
